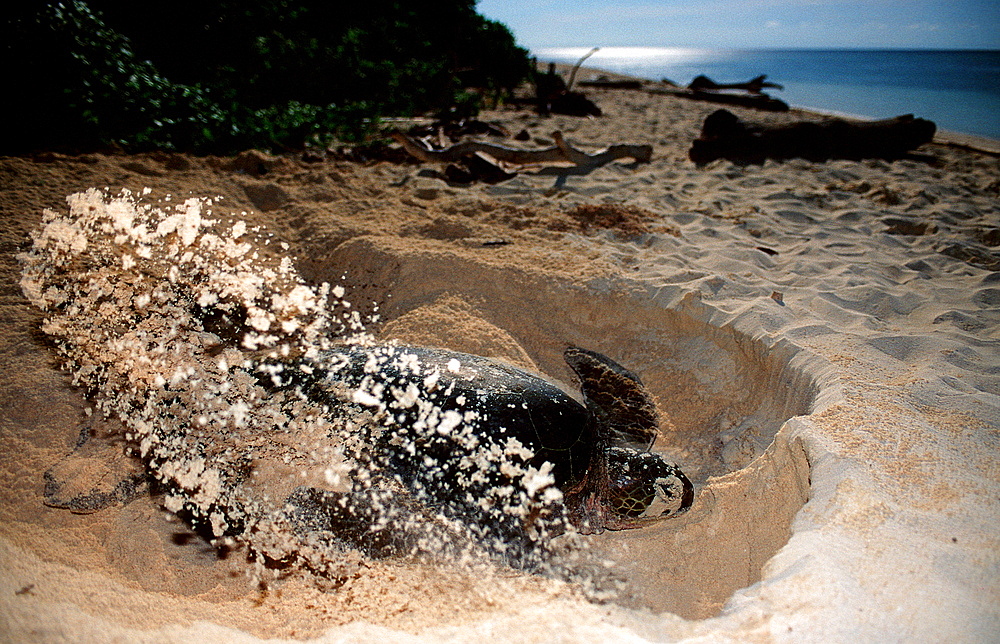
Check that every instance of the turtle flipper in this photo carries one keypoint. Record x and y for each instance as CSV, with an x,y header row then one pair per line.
x,y
95,475
624,410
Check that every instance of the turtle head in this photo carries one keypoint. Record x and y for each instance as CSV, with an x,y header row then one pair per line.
x,y
628,486
643,487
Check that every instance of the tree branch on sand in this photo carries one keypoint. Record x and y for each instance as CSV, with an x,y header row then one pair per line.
x,y
576,67
757,101
505,158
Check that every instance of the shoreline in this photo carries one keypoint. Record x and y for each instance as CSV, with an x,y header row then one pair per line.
x,y
975,142
969,142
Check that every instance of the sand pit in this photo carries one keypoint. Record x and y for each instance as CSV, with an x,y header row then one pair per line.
x,y
723,393
820,340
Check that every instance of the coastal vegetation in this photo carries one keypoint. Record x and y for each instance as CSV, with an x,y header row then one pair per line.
x,y
221,76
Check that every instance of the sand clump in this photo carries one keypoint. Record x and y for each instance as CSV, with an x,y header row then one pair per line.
x,y
842,435
267,418
158,310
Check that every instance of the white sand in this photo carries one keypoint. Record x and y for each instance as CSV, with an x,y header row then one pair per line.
x,y
859,298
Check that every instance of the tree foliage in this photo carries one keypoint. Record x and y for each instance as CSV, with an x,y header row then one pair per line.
x,y
218,76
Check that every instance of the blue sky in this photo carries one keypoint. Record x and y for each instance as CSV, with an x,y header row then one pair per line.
x,y
908,24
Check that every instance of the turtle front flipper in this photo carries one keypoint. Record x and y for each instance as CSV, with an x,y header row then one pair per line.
x,y
95,475
624,411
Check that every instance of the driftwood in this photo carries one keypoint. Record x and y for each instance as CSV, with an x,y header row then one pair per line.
x,y
725,136
561,152
572,104
603,82
754,86
760,101
504,158
576,67
456,129
552,96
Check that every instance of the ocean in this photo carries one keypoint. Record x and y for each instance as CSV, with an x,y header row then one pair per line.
x,y
958,90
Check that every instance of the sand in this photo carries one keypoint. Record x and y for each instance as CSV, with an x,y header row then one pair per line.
x,y
822,340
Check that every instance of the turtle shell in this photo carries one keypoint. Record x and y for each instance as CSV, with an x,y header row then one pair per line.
x,y
452,424
466,434
475,439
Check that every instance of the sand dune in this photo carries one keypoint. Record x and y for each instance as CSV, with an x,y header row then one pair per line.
x,y
822,339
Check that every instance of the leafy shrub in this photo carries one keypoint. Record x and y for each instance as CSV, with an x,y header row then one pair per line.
x,y
219,76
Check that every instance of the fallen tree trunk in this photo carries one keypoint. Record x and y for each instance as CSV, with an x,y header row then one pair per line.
x,y
562,152
725,136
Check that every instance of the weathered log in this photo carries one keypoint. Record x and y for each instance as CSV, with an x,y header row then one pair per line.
x,y
724,135
477,167
455,130
754,86
456,152
573,104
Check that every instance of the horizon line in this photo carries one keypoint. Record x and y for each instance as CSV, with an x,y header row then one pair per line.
x,y
759,48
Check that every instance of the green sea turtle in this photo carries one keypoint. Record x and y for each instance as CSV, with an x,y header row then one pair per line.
x,y
440,435
484,441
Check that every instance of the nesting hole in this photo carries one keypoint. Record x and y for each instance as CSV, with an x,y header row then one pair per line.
x,y
724,396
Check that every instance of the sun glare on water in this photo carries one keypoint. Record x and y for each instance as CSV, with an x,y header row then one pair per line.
x,y
643,55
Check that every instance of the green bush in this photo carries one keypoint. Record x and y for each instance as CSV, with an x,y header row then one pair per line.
x,y
220,76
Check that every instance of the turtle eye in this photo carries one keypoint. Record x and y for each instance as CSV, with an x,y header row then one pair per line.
x,y
643,485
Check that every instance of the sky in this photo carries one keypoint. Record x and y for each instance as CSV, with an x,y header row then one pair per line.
x,y
864,24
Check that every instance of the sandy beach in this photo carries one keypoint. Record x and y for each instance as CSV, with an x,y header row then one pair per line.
x,y
822,341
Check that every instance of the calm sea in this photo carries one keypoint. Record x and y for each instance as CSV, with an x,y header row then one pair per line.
x,y
958,90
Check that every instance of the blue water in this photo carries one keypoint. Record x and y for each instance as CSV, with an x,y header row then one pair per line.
x,y
958,90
